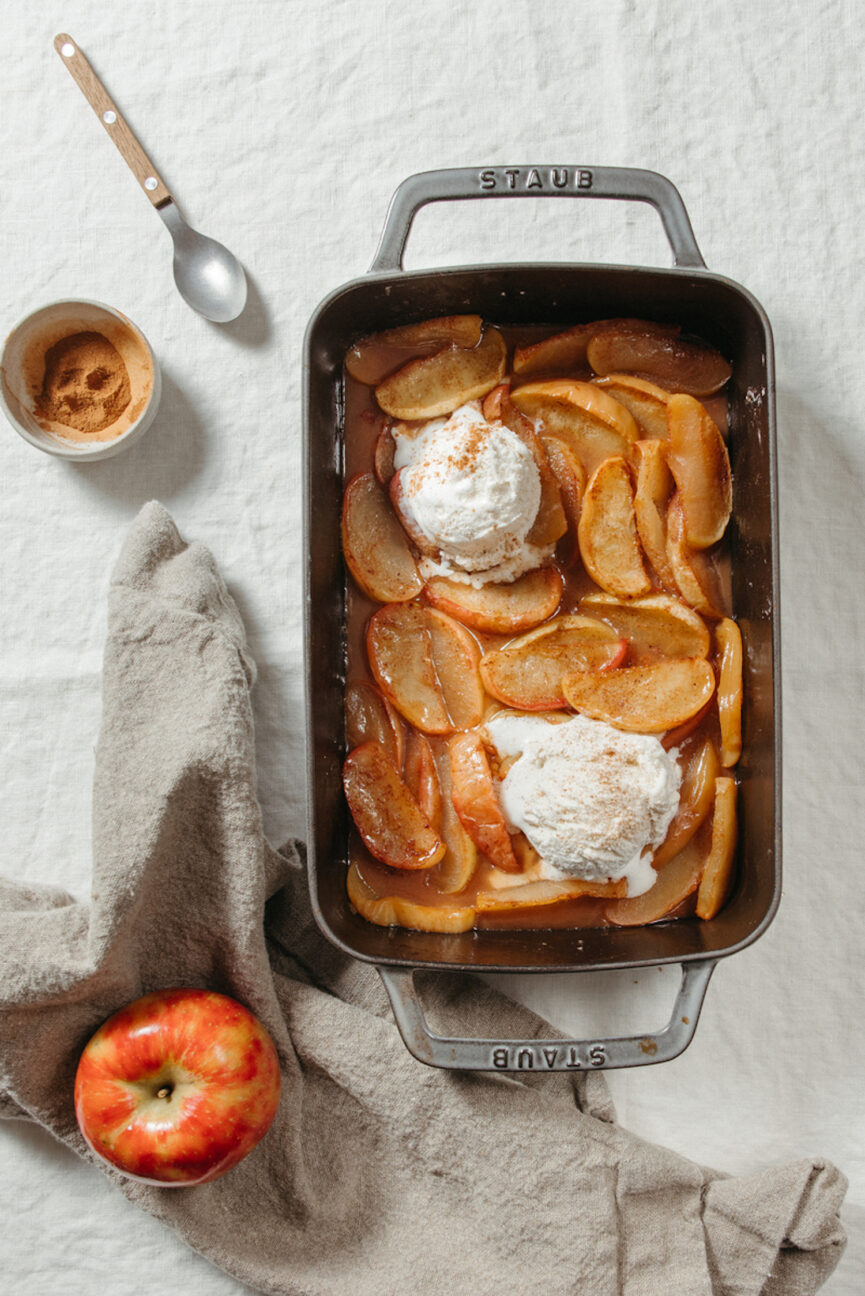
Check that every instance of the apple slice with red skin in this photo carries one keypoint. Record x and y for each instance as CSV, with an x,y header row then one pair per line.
x,y
651,496
440,383
456,656
728,638
387,816
718,873
586,418
696,798
491,406
676,736
677,879
698,459
399,647
527,673
374,544
370,717
691,367
643,699
607,532
499,608
655,627
646,401
476,803
176,1088
396,911
374,357
422,780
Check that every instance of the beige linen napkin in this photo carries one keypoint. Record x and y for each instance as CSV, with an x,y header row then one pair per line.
x,y
379,1176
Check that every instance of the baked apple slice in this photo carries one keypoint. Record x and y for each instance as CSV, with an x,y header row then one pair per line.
x,y
698,460
676,736
399,647
369,717
643,699
374,544
695,578
656,626
678,879
385,813
528,672
499,609
691,367
385,449
374,357
729,641
533,895
696,798
395,911
580,413
456,656
607,532
491,406
421,777
571,477
456,868
718,873
565,352
646,401
440,383
654,484
476,803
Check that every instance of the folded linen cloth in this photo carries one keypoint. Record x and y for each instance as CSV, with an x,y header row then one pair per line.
x,y
378,1175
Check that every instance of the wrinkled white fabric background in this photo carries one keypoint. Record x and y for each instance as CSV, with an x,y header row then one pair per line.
x,y
282,127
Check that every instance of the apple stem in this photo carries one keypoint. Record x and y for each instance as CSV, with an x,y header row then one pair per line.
x,y
164,1092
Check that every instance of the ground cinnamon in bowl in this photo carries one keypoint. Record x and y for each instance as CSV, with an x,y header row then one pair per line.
x,y
86,384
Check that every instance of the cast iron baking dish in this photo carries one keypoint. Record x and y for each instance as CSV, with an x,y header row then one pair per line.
x,y
560,294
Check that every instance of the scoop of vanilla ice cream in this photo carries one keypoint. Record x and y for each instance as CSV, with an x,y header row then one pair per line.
x,y
473,490
592,800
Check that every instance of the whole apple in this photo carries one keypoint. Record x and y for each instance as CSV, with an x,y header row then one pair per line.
x,y
177,1087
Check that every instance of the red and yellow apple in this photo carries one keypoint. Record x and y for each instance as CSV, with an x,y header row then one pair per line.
x,y
177,1087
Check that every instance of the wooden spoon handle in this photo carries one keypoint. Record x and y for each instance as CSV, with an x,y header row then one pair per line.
x,y
113,121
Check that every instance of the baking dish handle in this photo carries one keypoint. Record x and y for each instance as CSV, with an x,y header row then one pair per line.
x,y
547,1054
629,183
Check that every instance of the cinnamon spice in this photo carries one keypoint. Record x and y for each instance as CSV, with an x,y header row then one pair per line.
x,y
86,384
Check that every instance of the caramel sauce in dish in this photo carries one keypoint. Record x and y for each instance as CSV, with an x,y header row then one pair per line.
x,y
544,681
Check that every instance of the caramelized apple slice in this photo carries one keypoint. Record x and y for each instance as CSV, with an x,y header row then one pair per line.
x,y
491,406
700,465
374,357
383,456
528,672
386,814
729,641
422,779
696,798
656,626
654,483
499,609
646,401
679,366
532,895
696,581
643,699
395,911
440,383
607,532
678,879
476,803
580,413
456,869
456,657
676,736
571,477
718,873
374,544
369,717
399,647
565,352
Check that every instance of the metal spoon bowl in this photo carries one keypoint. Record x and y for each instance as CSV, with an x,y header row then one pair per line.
x,y
209,278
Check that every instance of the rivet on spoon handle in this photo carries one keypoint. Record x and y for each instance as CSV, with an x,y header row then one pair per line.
x,y
113,120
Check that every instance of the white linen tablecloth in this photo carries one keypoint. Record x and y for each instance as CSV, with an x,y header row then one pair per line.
x,y
282,127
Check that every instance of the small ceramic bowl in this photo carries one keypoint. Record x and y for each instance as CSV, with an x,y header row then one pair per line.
x,y
22,377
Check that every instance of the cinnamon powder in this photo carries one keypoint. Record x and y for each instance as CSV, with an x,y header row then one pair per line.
x,y
86,384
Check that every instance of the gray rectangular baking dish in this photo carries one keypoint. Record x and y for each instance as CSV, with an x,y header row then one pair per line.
x,y
706,304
